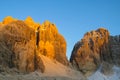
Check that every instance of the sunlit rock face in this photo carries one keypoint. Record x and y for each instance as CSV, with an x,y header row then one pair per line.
x,y
8,19
18,48
30,22
51,43
88,53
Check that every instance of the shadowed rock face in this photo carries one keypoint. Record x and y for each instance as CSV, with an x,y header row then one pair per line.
x,y
94,48
18,47
115,49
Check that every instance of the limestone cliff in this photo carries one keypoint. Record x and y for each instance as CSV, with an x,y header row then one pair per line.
x,y
21,46
17,47
92,50
51,43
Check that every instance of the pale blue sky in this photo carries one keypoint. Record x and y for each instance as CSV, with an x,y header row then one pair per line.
x,y
73,18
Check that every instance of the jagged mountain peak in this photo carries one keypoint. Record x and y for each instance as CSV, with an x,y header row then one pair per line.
x,y
24,41
95,48
8,19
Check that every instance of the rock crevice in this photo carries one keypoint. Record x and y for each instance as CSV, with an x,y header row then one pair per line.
x,y
21,47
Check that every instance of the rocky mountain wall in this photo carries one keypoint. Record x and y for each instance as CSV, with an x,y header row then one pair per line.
x,y
95,48
22,43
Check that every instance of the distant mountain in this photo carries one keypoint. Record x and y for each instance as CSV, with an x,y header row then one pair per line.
x,y
33,51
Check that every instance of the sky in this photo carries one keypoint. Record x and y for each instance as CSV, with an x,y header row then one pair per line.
x,y
73,18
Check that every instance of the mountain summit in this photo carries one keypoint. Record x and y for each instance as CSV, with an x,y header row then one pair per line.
x,y
96,49
22,43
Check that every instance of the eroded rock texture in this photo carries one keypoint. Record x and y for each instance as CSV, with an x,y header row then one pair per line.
x,y
51,43
18,48
94,48
115,49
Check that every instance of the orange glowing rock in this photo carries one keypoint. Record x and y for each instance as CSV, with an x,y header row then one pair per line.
x,y
20,44
52,44
8,19
88,53
30,22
